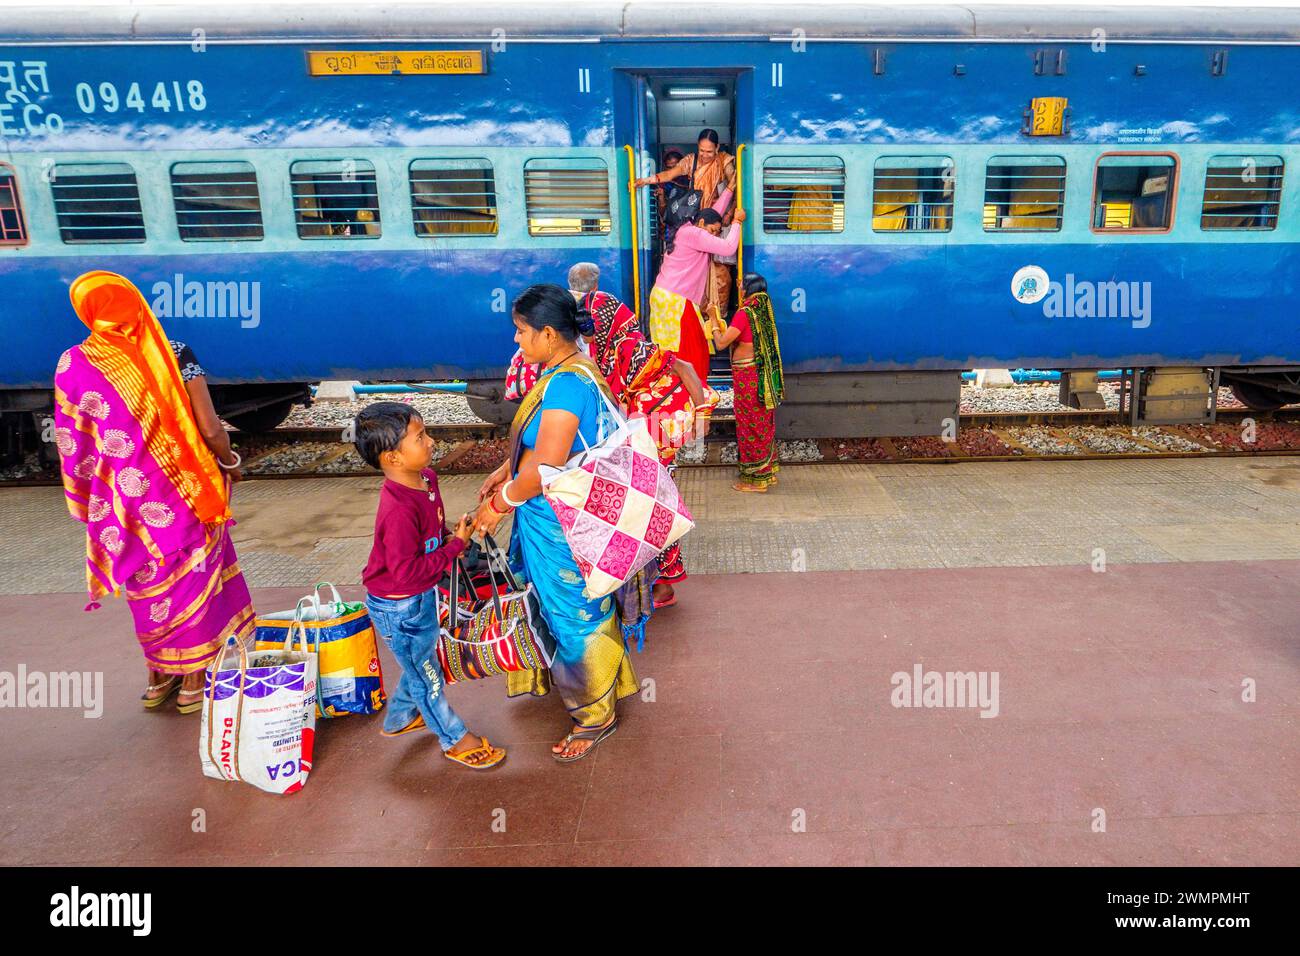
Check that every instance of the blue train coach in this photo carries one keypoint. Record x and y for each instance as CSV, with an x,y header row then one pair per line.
x,y
359,191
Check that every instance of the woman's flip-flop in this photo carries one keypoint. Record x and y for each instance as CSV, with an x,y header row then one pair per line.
x,y
494,756
669,602
171,686
595,736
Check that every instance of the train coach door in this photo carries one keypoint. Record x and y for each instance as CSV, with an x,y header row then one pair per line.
x,y
634,128
658,114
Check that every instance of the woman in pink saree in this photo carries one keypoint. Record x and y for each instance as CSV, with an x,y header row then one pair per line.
x,y
147,466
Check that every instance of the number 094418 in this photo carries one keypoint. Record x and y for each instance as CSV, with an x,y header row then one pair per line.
x,y
166,96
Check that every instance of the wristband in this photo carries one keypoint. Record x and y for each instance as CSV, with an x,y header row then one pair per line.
x,y
238,461
506,498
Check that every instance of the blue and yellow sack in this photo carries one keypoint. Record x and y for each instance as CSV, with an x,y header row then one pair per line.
x,y
341,635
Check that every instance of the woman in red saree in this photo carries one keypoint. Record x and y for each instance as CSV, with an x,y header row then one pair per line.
x,y
758,384
146,466
653,382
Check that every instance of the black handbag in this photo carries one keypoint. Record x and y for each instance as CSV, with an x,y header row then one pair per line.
x,y
684,207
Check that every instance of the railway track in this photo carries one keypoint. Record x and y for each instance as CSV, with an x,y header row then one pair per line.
x,y
299,452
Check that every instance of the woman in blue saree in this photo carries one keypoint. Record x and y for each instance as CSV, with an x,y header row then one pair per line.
x,y
561,412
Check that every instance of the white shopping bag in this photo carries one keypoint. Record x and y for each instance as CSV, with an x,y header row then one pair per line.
x,y
259,723
616,503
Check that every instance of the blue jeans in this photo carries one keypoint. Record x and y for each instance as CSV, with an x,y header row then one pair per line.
x,y
409,627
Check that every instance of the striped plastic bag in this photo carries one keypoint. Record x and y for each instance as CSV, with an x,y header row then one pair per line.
x,y
341,635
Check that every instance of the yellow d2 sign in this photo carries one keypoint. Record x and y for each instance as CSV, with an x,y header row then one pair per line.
x,y
1047,116
389,62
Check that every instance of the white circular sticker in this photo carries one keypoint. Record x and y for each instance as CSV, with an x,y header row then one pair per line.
x,y
1029,284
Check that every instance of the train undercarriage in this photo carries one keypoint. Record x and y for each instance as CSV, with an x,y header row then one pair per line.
x,y
817,405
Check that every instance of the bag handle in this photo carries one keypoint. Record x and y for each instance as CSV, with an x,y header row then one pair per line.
x,y
211,694
458,571
495,553
315,595
613,409
301,626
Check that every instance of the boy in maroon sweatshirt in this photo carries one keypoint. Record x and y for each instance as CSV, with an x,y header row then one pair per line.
x,y
412,550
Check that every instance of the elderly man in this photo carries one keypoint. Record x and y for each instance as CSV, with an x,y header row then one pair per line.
x,y
646,380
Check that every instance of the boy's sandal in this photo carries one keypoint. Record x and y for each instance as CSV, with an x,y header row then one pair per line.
x,y
170,686
489,756
417,724
595,736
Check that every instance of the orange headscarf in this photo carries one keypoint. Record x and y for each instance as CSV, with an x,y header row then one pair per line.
x,y
128,345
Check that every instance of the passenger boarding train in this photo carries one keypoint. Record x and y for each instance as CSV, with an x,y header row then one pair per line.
x,y
358,192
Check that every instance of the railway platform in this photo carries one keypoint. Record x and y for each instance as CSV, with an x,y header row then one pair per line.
x,y
1131,628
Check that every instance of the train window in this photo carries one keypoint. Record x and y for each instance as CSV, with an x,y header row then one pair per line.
x,y
453,197
913,194
1134,192
97,202
1024,194
1242,192
567,197
335,199
803,194
216,201
13,229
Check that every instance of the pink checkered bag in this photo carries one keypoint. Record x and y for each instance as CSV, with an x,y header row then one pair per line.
x,y
617,504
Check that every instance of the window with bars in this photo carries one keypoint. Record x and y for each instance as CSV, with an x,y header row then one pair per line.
x,y
1024,194
453,197
335,199
803,194
97,202
13,228
913,194
1134,192
216,201
567,197
1242,192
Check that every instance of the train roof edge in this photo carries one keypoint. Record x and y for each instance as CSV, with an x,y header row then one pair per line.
x,y
648,19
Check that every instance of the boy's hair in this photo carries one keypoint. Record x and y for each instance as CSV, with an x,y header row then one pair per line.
x,y
380,427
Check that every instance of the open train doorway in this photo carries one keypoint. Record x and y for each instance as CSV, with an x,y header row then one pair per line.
x,y
667,113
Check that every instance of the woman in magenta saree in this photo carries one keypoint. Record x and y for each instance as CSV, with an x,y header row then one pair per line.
x,y
146,466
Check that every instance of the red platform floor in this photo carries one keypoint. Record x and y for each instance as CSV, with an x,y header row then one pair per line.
x,y
1119,692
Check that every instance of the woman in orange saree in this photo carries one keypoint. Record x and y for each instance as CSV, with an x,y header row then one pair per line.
x,y
146,466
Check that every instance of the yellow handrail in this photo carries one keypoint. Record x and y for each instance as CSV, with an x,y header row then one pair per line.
x,y
740,204
636,247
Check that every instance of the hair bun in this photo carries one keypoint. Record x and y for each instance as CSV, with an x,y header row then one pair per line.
x,y
586,324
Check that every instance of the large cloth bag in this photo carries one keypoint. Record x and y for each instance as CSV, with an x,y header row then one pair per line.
x,y
617,504
343,638
504,631
259,722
